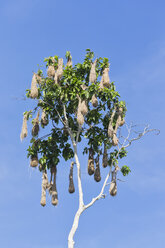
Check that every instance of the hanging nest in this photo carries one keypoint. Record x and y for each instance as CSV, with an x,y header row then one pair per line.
x,y
80,118
111,131
44,120
94,101
59,71
34,89
71,183
113,185
35,128
105,157
51,71
113,188
53,189
105,77
24,131
92,75
97,175
45,185
84,108
34,161
114,138
91,168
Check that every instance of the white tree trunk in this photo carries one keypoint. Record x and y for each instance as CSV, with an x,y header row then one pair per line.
x,y
81,202
74,228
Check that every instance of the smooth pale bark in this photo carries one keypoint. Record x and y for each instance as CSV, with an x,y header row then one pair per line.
x,y
81,202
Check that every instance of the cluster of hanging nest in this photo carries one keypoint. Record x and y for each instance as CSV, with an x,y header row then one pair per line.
x,y
35,123
96,161
96,171
82,110
56,75
112,131
51,186
82,104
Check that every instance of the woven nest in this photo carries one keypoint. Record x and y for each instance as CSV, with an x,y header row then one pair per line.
x,y
113,188
91,168
60,69
92,75
45,185
105,157
34,161
52,188
43,200
54,196
35,128
44,120
71,186
51,71
97,175
71,183
83,108
106,79
34,89
94,101
24,130
80,118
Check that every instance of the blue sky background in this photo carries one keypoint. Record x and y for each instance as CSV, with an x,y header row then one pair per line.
x,y
131,34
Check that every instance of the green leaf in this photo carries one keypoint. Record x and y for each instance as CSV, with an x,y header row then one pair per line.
x,y
125,170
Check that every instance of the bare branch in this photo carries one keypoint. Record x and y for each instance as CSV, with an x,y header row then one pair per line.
x,y
140,134
101,192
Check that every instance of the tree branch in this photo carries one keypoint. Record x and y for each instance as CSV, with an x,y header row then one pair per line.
x,y
101,192
78,133
145,131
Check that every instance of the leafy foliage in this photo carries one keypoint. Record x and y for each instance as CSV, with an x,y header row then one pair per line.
x,y
125,170
73,85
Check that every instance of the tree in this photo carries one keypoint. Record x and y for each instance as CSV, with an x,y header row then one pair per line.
x,y
79,105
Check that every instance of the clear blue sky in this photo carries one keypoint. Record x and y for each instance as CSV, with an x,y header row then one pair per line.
x,y
131,34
